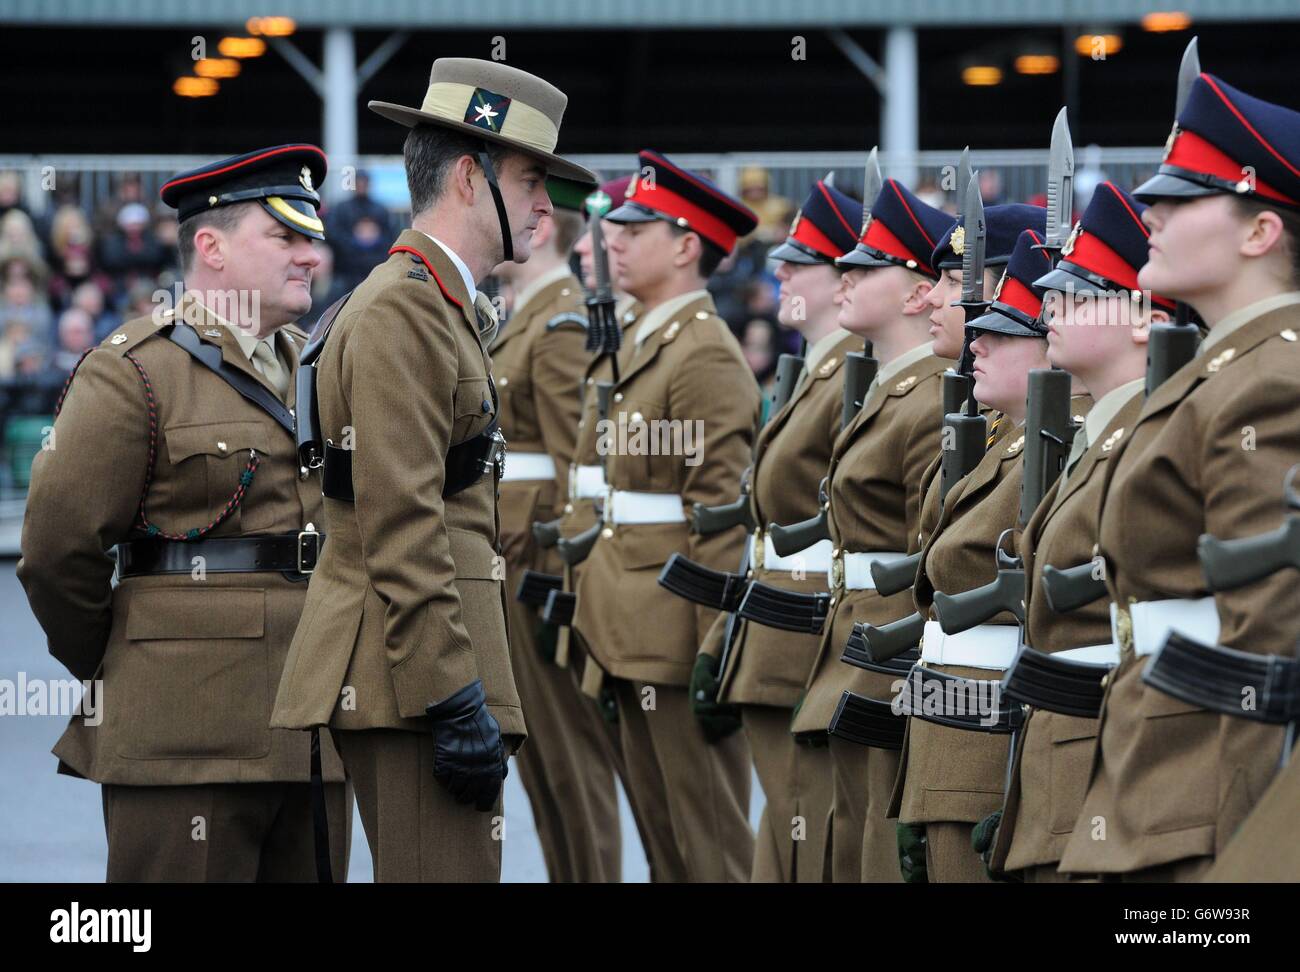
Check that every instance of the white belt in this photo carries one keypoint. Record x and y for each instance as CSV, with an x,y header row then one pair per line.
x,y
815,559
1096,654
1152,621
626,506
983,646
586,482
852,571
528,465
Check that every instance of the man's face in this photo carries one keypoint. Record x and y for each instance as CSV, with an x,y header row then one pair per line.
x,y
522,180
642,257
263,255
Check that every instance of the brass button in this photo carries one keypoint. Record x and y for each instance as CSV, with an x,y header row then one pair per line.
x,y
637,417
504,381
591,381
568,507
618,396
607,533
221,446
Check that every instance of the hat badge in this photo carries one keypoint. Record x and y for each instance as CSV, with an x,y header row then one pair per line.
x,y
1075,233
958,241
304,177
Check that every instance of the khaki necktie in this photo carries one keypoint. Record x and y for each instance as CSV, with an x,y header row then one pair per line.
x,y
1077,448
267,362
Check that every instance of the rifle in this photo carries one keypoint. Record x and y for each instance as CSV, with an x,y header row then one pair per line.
x,y
859,366
965,431
790,539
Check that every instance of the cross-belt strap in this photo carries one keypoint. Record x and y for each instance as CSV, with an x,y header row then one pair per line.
x,y
991,646
209,355
1146,624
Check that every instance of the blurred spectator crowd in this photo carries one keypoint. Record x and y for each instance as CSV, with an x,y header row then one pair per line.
x,y
73,271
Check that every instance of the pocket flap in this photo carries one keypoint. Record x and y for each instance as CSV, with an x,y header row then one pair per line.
x,y
473,555
177,613
214,439
471,395
650,544
1156,704
1066,728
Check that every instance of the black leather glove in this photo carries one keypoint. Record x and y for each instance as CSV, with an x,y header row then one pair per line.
x,y
717,721
911,853
468,758
982,838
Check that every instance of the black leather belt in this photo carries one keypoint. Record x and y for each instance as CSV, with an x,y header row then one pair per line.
x,y
293,554
959,703
467,462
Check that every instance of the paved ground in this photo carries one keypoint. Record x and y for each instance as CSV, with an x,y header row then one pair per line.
x,y
52,827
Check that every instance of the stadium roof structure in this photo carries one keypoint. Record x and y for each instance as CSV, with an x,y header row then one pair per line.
x,y
752,14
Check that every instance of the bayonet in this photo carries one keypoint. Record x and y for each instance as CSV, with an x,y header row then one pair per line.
x,y
1060,185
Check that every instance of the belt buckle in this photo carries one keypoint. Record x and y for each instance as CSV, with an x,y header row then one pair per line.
x,y
308,556
837,571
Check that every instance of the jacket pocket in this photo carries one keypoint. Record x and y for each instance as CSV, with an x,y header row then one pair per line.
x,y
193,679
1176,743
472,407
207,461
645,545
1073,743
480,576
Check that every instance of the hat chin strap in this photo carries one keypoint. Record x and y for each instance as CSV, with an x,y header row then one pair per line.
x,y
491,176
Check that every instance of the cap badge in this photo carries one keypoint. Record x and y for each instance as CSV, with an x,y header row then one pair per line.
x,y
828,367
487,109
1111,440
906,383
304,177
1221,359
958,241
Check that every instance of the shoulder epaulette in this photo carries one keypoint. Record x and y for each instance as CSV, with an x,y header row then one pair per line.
x,y
135,332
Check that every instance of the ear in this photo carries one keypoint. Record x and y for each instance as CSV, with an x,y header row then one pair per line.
x,y
544,233
1264,232
1140,332
210,247
462,172
687,249
914,301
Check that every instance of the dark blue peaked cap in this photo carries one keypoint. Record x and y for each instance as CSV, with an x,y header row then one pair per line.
x,y
1017,303
902,232
1106,249
1003,226
1226,141
826,225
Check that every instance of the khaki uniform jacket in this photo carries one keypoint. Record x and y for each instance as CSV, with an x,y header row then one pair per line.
x,y
538,363
689,371
1054,756
189,664
1207,455
768,666
875,505
407,604
956,774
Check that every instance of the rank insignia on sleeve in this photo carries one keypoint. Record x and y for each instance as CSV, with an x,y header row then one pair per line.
x,y
418,273
487,109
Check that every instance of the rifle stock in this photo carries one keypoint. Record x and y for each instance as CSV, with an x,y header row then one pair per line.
x,y
859,371
891,640
895,576
1072,588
